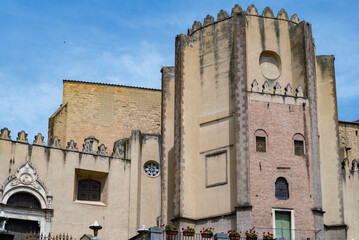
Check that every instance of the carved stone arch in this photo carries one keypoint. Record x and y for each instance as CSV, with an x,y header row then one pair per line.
x,y
26,180
16,190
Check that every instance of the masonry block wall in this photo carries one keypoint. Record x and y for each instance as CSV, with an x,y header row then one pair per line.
x,y
349,162
108,112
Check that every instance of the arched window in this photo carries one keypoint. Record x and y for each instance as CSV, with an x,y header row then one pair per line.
x,y
299,141
281,189
261,142
23,199
89,190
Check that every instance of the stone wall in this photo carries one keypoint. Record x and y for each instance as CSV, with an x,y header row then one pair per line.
x,y
108,112
349,161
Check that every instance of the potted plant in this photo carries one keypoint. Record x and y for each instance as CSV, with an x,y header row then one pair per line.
x,y
251,235
267,235
234,235
207,232
189,231
170,230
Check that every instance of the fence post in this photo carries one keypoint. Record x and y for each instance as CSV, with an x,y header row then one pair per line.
x,y
155,233
221,236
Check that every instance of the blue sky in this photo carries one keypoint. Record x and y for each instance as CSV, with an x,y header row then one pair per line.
x,y
127,42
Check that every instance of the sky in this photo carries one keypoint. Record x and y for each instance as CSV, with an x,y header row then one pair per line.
x,y
127,42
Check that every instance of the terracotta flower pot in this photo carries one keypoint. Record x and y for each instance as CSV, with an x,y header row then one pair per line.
x,y
171,232
234,237
188,233
207,235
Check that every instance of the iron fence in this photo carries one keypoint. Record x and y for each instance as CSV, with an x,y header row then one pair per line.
x,y
37,236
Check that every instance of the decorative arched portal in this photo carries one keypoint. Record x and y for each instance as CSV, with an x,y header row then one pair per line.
x,y
26,201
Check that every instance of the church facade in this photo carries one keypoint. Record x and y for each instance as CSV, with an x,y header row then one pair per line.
x,y
244,134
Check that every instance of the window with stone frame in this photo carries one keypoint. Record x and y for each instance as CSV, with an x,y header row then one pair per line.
x,y
89,190
281,189
298,147
261,144
90,186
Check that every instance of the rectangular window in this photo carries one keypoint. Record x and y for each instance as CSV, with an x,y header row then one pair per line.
x,y
298,148
90,186
260,144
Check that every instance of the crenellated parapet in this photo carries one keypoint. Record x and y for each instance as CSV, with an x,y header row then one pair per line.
x,y
237,10
91,146
351,166
276,89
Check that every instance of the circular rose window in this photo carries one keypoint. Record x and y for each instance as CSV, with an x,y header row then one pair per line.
x,y
152,169
270,65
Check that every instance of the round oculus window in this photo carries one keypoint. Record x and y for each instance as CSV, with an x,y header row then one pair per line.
x,y
270,65
152,169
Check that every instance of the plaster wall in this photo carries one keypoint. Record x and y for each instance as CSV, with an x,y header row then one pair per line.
x,y
332,182
60,170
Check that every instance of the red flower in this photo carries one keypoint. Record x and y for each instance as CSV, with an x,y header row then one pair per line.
x,y
182,228
163,225
194,225
201,231
187,226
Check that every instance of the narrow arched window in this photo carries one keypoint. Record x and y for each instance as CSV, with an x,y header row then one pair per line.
x,y
261,140
23,199
89,190
281,189
299,141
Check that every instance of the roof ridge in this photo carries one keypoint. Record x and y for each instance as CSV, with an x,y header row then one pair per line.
x,y
111,84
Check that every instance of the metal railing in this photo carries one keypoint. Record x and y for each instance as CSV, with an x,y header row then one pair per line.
x,y
283,234
36,236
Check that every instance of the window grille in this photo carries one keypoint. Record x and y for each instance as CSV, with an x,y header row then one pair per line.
x,y
260,144
89,190
298,148
25,200
281,189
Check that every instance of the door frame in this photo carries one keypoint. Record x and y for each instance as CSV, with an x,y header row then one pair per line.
x,y
292,222
42,216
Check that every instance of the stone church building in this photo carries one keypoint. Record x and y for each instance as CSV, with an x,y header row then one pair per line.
x,y
244,134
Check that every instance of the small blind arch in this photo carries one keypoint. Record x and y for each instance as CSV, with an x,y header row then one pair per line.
x,y
281,189
23,199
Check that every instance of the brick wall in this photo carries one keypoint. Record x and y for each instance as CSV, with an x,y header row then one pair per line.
x,y
280,122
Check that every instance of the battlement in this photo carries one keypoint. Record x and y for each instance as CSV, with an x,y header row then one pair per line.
x,y
121,148
237,10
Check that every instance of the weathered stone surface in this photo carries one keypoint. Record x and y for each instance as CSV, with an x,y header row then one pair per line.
x,y
39,140
22,137
72,146
5,134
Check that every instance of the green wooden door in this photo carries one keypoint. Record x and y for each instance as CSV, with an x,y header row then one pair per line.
x,y
282,225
